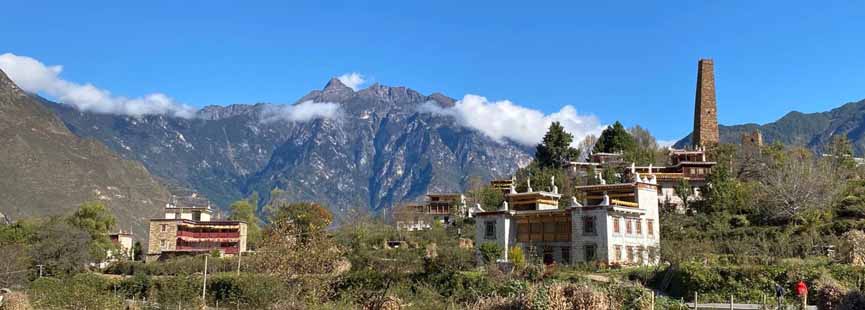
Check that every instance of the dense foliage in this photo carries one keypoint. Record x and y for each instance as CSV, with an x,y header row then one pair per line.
x,y
555,150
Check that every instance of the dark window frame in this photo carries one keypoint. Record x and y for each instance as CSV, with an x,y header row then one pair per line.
x,y
490,230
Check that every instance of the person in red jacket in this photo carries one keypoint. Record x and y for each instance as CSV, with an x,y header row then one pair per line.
x,y
802,291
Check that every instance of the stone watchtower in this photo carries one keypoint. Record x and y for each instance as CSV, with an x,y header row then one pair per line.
x,y
705,108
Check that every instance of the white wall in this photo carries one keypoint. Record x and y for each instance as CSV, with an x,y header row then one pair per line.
x,y
505,232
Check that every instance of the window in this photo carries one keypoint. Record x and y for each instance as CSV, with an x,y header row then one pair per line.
x,y
638,224
616,228
490,230
650,226
566,255
641,251
630,253
628,226
590,252
162,244
163,227
618,256
589,225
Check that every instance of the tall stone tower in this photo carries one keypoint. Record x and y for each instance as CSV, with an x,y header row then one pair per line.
x,y
705,108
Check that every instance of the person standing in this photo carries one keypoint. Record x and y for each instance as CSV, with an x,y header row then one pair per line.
x,y
779,295
802,291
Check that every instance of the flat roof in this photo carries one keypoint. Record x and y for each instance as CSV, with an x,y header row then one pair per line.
x,y
535,193
199,222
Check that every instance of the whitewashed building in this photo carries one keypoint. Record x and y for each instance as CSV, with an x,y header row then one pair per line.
x,y
615,223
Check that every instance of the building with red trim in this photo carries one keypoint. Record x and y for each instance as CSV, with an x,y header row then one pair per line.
x,y
190,230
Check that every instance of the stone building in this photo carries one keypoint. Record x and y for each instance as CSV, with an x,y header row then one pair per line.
x,y
615,223
124,242
439,207
690,166
752,139
190,230
705,107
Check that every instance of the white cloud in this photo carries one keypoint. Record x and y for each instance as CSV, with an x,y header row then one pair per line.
x,y
352,80
502,120
300,112
35,77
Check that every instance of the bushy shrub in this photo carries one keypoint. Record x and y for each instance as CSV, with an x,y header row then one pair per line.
x,y
83,291
136,286
250,291
570,296
827,292
490,252
534,272
177,291
852,300
515,254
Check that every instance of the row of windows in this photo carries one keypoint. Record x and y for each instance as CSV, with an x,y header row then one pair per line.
x,y
633,226
635,254
698,171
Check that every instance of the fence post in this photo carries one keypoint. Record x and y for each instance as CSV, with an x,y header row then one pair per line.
x,y
696,305
653,300
731,302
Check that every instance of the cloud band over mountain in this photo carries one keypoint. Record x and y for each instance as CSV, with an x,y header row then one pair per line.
x,y
300,112
502,120
35,77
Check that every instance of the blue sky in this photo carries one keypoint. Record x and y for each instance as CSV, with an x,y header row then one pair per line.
x,y
628,61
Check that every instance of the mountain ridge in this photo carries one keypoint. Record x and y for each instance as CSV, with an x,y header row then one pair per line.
x,y
811,130
380,151
48,170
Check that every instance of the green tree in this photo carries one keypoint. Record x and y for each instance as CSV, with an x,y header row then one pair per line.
x,y
305,217
555,150
841,151
489,198
683,191
244,210
137,251
723,192
646,149
94,218
62,248
615,139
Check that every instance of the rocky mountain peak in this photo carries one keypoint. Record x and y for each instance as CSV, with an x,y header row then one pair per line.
x,y
215,112
335,85
442,99
6,84
391,94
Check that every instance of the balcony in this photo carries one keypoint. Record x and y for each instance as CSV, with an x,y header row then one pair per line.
x,y
226,250
208,235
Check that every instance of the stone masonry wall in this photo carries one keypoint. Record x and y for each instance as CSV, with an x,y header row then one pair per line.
x,y
705,107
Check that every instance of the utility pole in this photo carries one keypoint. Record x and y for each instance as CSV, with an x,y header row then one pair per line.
x,y
204,285
239,256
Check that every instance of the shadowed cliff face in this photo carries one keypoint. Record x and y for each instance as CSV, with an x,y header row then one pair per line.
x,y
377,151
47,170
